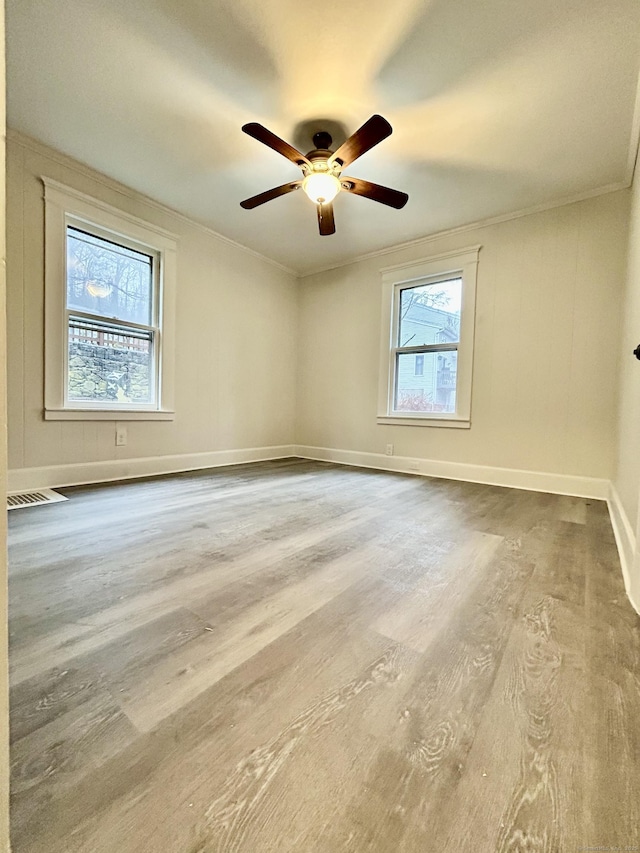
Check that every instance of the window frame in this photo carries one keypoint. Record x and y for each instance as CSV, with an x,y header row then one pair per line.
x,y
462,263
65,207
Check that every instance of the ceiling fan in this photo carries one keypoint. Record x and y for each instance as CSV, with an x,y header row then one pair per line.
x,y
322,170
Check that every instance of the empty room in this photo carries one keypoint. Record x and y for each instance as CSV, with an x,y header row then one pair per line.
x,y
321,387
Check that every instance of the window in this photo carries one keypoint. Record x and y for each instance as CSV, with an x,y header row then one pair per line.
x,y
110,281
426,354
111,322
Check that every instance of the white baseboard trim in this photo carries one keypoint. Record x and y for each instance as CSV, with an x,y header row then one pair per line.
x,y
83,473
535,481
56,476
626,542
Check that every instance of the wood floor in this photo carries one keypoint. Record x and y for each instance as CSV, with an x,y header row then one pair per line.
x,y
293,656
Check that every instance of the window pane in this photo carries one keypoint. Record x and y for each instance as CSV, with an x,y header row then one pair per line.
x,y
109,364
432,391
106,279
430,314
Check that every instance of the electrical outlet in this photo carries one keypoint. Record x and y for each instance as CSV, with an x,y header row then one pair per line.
x,y
121,435
389,450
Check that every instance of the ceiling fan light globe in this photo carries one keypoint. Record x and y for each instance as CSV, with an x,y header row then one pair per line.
x,y
321,187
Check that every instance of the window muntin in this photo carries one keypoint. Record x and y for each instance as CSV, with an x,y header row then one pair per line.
x,y
110,363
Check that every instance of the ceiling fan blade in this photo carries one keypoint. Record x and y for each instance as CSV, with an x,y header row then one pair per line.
x,y
385,195
254,201
326,222
372,131
257,131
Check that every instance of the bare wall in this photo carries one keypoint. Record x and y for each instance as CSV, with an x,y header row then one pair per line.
x,y
235,342
546,355
627,474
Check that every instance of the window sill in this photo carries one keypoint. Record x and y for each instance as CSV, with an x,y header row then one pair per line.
x,y
108,415
412,420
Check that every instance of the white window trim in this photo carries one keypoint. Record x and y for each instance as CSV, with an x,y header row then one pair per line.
x,y
66,206
462,263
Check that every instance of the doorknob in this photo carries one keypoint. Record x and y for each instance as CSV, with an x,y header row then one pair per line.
x,y
636,352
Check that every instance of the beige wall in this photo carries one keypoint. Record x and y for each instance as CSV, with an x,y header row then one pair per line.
x,y
627,475
235,342
547,340
627,479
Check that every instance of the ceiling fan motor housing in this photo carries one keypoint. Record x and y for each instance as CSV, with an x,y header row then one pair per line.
x,y
319,158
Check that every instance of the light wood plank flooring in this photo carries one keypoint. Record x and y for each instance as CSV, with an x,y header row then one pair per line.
x,y
294,656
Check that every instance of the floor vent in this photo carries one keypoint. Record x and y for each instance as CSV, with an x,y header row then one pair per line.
x,y
43,496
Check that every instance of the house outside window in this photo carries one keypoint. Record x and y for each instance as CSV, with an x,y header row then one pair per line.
x,y
426,357
110,295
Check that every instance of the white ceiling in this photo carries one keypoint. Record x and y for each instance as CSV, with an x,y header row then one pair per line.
x,y
497,106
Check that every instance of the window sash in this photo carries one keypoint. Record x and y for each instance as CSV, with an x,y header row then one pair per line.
x,y
101,320
105,322
428,348
132,330
428,281
92,230
396,351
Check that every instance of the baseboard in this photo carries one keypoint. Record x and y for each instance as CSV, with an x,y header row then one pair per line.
x,y
535,481
79,474
55,476
626,542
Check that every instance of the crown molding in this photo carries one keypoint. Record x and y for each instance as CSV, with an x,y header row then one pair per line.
x,y
634,143
472,251
473,226
632,159
44,150
53,190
